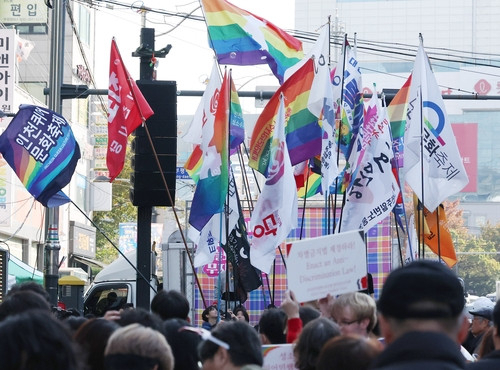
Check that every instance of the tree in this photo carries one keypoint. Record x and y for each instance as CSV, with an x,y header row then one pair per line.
x,y
478,262
122,211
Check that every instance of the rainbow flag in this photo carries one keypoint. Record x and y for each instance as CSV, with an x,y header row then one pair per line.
x,y
236,135
239,37
313,185
194,162
397,115
236,124
40,147
211,189
303,133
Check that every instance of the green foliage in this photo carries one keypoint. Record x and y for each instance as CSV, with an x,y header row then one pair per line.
x,y
478,262
122,211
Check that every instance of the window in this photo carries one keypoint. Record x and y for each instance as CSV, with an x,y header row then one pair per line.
x,y
105,298
84,24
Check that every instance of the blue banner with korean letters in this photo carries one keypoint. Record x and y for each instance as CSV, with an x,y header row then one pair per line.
x,y
40,147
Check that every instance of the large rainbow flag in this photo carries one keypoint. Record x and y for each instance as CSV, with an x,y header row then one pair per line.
x,y
40,147
239,37
303,133
212,186
236,135
397,115
236,124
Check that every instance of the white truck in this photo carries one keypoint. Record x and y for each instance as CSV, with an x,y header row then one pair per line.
x,y
115,286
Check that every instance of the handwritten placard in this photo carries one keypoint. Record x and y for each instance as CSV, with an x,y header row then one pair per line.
x,y
278,357
334,264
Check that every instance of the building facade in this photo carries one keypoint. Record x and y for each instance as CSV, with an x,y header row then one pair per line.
x,y
22,225
460,40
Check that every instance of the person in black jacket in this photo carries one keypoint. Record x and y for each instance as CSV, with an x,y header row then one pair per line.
x,y
421,318
492,359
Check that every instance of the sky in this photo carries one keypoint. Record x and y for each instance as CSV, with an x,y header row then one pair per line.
x,y
190,59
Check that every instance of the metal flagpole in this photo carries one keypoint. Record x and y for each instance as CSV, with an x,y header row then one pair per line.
x,y
52,246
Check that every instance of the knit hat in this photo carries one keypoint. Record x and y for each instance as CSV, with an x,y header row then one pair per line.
x,y
422,289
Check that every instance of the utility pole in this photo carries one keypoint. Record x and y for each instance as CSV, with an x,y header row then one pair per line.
x,y
148,55
52,246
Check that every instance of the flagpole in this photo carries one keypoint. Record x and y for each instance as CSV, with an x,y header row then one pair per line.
x,y
327,191
226,213
438,231
422,245
304,205
344,46
399,241
396,166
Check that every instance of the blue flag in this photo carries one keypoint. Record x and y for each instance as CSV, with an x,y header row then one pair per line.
x,y
40,147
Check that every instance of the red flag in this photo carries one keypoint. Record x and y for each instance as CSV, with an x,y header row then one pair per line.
x,y
127,109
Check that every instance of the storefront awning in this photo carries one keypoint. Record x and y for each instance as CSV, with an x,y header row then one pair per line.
x,y
89,261
23,272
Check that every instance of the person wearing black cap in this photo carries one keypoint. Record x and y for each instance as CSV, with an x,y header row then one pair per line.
x,y
492,359
481,312
421,317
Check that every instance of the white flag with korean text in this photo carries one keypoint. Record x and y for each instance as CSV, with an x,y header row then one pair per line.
x,y
206,109
374,190
321,104
441,173
275,213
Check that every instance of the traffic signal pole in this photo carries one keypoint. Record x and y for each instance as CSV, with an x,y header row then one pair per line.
x,y
148,55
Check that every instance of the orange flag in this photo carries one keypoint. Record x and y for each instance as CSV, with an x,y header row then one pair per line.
x,y
439,241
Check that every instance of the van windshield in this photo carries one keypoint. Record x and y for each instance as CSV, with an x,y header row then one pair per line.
x,y
106,298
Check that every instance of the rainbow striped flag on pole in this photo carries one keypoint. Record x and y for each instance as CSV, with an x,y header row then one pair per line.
x,y
303,133
212,186
239,37
209,107
397,114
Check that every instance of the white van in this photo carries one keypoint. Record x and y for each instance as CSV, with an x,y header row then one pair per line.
x,y
115,286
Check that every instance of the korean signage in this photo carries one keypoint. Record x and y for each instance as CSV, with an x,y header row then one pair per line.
x,y
334,264
23,11
7,68
127,241
182,174
278,357
82,239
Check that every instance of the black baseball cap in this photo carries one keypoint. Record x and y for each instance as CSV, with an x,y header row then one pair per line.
x,y
422,289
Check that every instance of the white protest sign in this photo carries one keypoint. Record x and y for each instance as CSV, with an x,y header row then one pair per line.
x,y
278,357
334,264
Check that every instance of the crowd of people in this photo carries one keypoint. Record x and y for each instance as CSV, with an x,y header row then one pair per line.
x,y
419,322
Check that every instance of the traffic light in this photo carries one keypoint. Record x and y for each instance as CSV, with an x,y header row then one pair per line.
x,y
147,187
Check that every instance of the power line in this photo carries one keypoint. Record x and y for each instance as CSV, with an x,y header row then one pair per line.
x,y
367,47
